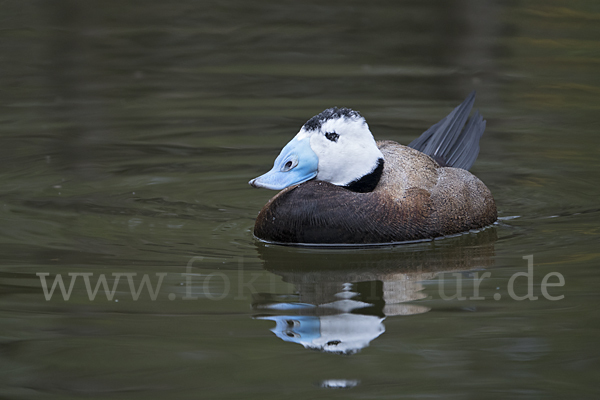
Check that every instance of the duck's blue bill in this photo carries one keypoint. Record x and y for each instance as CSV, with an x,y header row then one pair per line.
x,y
296,163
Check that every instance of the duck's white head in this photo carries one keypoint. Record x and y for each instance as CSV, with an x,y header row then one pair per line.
x,y
335,146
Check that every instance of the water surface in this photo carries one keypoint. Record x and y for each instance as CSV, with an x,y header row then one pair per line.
x,y
130,131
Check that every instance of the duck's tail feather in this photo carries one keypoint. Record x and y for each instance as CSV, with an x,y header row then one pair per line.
x,y
448,143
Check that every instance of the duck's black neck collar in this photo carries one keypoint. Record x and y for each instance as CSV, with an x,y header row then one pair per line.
x,y
368,182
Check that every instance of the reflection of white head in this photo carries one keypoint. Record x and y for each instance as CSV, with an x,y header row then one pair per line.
x,y
347,333
334,146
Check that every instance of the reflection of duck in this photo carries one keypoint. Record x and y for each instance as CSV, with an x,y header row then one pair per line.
x,y
344,329
340,334
343,297
337,316
345,188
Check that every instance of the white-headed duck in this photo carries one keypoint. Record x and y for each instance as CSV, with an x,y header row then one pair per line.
x,y
341,187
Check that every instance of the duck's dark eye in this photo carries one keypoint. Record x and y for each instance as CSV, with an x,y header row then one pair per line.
x,y
332,136
289,164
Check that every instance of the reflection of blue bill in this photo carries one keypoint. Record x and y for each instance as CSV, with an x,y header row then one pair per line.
x,y
296,329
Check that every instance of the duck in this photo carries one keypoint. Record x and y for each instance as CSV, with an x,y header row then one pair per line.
x,y
339,186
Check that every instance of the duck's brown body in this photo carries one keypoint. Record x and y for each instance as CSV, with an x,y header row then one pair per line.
x,y
415,199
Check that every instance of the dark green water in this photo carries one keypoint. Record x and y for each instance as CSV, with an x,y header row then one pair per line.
x,y
129,131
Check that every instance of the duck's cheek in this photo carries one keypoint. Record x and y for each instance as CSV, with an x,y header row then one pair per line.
x,y
329,158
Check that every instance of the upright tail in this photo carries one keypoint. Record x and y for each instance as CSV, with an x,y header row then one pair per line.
x,y
450,142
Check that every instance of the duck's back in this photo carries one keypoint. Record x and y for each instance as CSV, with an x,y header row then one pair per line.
x,y
415,199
